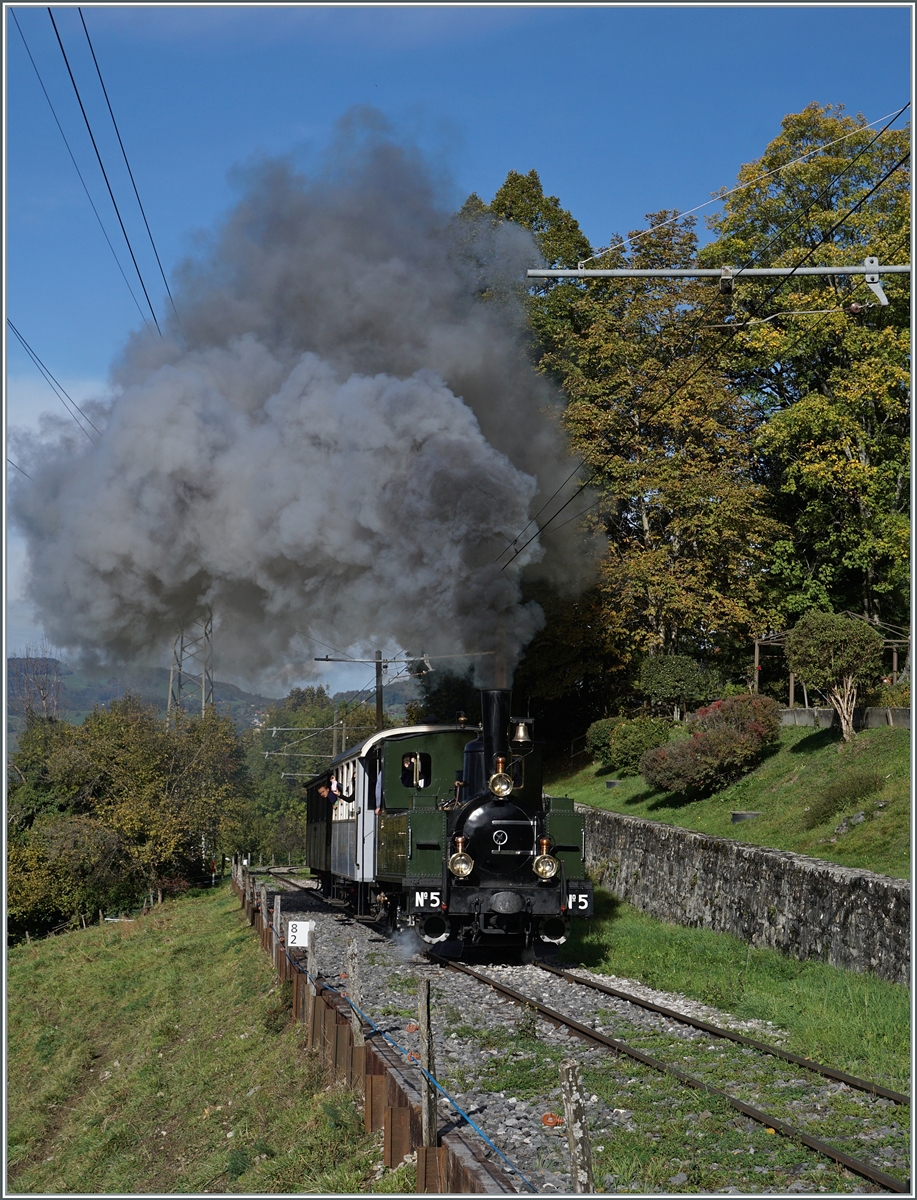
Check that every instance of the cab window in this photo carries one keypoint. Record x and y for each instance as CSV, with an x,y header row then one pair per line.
x,y
416,770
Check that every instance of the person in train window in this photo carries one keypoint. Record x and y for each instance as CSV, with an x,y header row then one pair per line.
x,y
326,793
407,770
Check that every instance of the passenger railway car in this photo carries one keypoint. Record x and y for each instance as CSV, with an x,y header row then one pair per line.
x,y
445,828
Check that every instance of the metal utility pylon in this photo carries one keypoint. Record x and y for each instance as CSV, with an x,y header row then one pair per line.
x,y
192,665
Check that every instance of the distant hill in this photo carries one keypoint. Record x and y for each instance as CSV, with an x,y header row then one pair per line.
x,y
394,696
83,690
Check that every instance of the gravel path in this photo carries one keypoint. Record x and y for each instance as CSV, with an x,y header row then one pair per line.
x,y
650,1134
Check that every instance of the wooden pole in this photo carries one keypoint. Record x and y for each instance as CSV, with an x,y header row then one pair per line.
x,y
757,663
792,689
577,1130
312,991
275,941
427,1091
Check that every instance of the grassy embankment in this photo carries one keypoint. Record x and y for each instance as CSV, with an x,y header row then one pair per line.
x,y
854,1022
803,790
158,1057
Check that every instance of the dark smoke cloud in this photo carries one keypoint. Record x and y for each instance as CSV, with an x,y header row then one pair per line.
x,y
338,439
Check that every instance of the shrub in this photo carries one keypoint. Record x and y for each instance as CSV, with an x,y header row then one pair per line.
x,y
843,793
598,739
754,714
727,739
630,740
890,695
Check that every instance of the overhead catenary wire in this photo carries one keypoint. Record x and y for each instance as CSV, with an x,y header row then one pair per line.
x,y
104,173
721,195
18,468
127,164
793,344
313,733
708,359
698,317
78,171
57,388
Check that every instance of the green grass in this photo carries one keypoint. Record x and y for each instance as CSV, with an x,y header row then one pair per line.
x,y
671,1132
803,790
159,1057
848,1020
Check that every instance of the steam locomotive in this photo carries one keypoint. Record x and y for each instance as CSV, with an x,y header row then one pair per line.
x,y
445,829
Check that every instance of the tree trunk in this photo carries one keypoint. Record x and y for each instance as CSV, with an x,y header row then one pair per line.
x,y
843,700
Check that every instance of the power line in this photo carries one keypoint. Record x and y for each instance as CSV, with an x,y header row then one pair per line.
x,y
77,169
330,647
509,545
104,172
784,353
707,360
19,469
126,163
741,187
55,386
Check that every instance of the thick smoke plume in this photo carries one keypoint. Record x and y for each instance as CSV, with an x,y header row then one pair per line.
x,y
336,441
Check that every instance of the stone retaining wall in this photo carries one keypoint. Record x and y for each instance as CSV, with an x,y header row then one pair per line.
x,y
803,906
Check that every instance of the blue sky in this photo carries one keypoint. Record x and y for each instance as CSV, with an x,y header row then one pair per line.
x,y
622,110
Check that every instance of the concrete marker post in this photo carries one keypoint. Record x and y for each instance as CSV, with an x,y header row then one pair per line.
x,y
577,1128
355,992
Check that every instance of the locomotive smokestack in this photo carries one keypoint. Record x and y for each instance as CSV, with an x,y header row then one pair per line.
x,y
495,708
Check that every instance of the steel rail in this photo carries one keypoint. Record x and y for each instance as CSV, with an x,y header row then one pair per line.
x,y
858,1167
864,1085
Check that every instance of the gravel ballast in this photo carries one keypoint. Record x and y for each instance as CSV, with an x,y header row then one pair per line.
x,y
499,1062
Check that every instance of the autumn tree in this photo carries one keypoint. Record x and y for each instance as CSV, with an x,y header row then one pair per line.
x,y
669,448
100,814
822,364
750,452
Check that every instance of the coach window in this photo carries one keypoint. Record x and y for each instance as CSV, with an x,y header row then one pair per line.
x,y
416,770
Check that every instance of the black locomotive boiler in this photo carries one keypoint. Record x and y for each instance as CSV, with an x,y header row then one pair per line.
x,y
445,829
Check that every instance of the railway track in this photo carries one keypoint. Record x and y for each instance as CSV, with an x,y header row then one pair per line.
x,y
835,1127
768,1120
